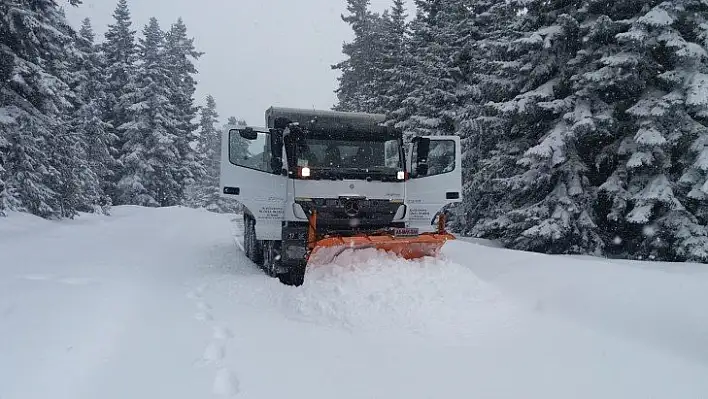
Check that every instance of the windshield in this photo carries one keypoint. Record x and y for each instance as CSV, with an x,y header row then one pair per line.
x,y
349,154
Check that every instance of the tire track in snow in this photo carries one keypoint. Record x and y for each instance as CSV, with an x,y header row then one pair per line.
x,y
226,382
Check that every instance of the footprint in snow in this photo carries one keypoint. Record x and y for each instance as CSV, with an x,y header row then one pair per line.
x,y
197,293
203,316
203,306
214,352
222,333
201,288
226,383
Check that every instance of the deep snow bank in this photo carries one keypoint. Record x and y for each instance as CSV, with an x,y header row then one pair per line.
x,y
661,304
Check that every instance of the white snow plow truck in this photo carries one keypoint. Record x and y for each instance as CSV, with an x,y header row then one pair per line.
x,y
317,183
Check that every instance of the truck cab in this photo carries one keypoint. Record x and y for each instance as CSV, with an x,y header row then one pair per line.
x,y
356,174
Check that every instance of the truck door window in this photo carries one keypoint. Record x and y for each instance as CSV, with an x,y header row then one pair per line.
x,y
441,158
253,154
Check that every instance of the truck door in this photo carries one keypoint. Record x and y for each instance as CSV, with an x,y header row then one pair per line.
x,y
251,174
435,179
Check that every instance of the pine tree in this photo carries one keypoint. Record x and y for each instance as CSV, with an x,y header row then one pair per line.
x,y
361,81
36,48
548,130
96,139
656,194
121,55
207,193
180,55
483,37
151,174
431,103
393,86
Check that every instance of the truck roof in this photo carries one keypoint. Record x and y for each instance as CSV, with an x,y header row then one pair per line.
x,y
322,120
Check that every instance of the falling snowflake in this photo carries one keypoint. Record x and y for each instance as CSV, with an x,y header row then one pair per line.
x,y
649,231
617,240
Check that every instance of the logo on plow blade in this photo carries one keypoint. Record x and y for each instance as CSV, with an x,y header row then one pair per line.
x,y
351,208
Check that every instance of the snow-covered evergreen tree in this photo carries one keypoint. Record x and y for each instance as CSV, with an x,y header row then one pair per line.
x,y
548,200
361,80
121,55
485,35
37,153
152,167
206,192
599,149
97,141
180,55
393,84
655,194
431,103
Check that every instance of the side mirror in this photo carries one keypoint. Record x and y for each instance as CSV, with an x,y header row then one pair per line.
x,y
247,133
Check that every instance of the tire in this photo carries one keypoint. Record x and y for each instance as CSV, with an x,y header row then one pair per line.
x,y
247,237
252,247
271,262
257,249
295,276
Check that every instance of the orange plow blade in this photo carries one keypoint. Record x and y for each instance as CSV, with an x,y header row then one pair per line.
x,y
327,249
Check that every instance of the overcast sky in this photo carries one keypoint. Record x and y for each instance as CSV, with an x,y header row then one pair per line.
x,y
258,53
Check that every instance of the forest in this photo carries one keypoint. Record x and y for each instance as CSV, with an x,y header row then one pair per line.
x,y
86,125
584,123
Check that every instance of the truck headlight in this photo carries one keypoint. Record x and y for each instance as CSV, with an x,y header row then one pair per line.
x,y
401,175
305,172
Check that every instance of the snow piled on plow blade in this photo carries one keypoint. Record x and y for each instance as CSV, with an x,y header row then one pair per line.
x,y
326,250
374,291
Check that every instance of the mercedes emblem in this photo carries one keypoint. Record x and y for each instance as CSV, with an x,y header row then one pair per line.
x,y
351,208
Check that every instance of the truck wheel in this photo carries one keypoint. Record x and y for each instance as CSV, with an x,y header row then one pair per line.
x,y
252,246
247,237
271,257
295,276
257,249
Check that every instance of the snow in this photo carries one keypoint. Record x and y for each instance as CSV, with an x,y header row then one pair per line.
x,y
7,117
552,146
692,51
697,93
621,60
152,303
601,75
657,17
640,158
649,136
702,160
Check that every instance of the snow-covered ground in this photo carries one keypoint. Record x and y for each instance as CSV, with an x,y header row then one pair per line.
x,y
162,303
